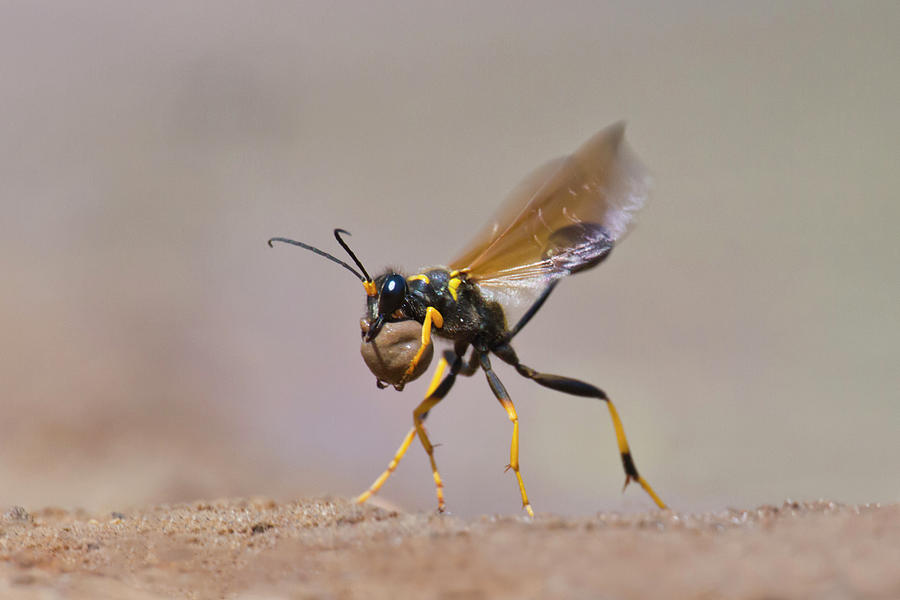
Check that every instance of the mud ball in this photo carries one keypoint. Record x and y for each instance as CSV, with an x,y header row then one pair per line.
x,y
389,355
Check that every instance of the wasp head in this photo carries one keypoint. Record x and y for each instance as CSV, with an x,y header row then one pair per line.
x,y
390,293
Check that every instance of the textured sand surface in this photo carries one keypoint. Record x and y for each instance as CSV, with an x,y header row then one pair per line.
x,y
330,548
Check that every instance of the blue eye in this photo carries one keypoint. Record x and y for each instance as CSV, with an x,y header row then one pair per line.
x,y
393,291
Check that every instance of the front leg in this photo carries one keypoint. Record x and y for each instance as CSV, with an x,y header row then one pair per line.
x,y
436,385
431,316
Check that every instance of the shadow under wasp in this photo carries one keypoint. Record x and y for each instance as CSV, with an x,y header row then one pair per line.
x,y
564,218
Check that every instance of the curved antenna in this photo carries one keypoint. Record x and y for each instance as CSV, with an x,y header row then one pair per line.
x,y
324,254
337,236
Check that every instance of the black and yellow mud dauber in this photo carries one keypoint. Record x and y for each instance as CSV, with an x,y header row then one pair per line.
x,y
564,218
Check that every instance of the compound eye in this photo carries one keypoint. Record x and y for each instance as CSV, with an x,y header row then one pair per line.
x,y
393,291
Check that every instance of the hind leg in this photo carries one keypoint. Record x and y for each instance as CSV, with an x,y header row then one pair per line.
x,y
575,387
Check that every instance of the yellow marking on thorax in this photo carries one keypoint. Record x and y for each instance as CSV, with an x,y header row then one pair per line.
x,y
452,285
421,277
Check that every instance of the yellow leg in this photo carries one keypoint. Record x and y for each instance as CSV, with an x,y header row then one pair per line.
x,y
431,316
418,421
376,485
503,396
514,452
625,451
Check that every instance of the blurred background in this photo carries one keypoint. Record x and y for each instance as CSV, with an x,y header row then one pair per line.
x,y
154,349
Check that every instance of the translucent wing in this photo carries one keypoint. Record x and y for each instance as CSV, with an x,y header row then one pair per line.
x,y
563,218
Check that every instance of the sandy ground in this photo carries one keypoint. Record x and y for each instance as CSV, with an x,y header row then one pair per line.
x,y
331,548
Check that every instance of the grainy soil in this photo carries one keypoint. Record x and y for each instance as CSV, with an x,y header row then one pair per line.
x,y
332,548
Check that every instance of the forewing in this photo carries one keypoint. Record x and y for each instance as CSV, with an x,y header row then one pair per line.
x,y
563,218
510,210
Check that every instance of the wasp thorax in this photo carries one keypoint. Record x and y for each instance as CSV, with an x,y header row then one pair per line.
x,y
393,350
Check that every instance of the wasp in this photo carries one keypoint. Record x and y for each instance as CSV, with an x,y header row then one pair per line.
x,y
562,219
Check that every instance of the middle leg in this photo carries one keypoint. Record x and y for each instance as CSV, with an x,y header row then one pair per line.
x,y
435,394
502,395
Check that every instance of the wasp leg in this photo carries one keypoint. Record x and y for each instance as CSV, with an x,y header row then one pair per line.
x,y
579,388
392,466
431,316
502,395
376,485
436,392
